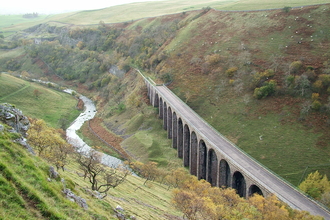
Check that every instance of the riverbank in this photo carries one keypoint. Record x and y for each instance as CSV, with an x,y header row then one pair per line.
x,y
76,141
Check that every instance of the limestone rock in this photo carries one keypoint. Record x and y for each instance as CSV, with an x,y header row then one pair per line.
x,y
122,215
95,194
77,199
22,141
119,208
116,71
14,118
52,173
19,123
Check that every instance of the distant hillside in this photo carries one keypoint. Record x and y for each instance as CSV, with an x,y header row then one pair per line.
x,y
128,12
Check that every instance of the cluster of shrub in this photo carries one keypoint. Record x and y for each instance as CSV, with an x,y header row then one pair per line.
x,y
197,199
70,63
300,80
7,44
317,186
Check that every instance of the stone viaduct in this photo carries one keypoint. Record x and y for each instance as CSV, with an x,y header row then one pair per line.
x,y
212,157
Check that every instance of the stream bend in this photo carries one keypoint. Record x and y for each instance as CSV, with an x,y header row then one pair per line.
x,y
77,142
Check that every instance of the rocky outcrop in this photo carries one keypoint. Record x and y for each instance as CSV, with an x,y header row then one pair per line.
x,y
121,214
116,71
17,122
74,198
14,118
52,173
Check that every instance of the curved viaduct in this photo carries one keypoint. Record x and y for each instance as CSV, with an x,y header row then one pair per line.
x,y
212,157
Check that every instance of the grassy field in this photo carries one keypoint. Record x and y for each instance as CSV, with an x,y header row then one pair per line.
x,y
50,106
243,5
148,140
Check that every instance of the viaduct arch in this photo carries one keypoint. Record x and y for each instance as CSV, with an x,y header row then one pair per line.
x,y
212,157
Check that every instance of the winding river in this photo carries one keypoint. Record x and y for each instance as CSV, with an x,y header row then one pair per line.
x,y
76,141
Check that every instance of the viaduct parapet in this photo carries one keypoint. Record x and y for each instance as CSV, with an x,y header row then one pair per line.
x,y
212,157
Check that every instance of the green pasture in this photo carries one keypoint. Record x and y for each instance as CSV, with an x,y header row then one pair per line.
x,y
148,201
51,105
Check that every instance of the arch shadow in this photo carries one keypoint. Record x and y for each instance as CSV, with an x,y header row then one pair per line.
x,y
175,131
202,160
239,184
193,154
180,138
224,174
254,189
186,146
212,172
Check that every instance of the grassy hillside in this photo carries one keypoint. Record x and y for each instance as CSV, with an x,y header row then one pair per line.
x,y
27,194
150,201
25,191
128,12
50,105
243,5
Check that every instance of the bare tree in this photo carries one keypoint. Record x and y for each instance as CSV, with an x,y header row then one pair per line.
x,y
102,178
276,61
302,85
